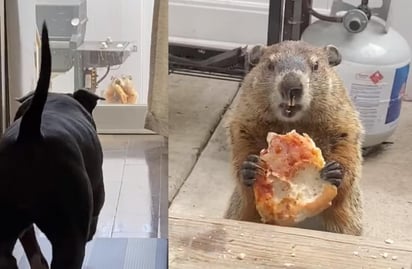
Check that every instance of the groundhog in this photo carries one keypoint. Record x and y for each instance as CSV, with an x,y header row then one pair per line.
x,y
121,90
114,92
129,89
294,86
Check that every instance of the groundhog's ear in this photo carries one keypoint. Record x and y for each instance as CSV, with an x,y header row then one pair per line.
x,y
255,53
334,56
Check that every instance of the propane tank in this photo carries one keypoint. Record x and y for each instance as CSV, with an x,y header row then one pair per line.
x,y
374,67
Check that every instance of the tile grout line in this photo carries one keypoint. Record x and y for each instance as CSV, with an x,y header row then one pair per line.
x,y
120,188
161,187
159,192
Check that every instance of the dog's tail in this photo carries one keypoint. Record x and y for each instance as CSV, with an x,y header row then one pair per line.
x,y
31,120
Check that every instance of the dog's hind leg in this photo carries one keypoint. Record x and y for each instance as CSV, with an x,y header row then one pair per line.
x,y
98,198
68,236
68,251
32,249
67,232
98,201
66,223
11,226
7,260
93,228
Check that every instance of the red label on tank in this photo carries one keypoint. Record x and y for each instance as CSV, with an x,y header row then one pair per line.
x,y
376,77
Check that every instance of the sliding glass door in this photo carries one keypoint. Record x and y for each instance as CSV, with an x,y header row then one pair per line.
x,y
100,45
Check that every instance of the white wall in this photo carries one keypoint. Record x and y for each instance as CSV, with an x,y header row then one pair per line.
x,y
233,23
220,23
122,20
230,23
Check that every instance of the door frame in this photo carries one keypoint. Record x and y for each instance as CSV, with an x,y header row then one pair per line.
x,y
4,112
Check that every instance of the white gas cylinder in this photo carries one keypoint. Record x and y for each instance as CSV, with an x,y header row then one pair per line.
x,y
374,69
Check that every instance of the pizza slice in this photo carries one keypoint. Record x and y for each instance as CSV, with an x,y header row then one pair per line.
x,y
291,188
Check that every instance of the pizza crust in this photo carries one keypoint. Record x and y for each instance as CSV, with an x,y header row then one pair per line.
x,y
291,189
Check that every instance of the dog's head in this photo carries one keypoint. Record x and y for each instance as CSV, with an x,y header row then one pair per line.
x,y
86,98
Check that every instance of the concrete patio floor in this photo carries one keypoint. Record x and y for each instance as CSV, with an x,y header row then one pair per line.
x,y
200,180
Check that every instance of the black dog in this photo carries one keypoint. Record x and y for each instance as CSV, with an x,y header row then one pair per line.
x,y
51,173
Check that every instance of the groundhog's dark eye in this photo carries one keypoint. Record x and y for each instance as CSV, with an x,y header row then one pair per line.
x,y
315,66
271,66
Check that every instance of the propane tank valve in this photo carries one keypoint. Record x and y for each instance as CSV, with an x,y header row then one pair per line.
x,y
355,21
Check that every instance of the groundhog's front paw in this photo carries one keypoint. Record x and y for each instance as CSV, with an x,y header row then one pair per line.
x,y
250,168
333,173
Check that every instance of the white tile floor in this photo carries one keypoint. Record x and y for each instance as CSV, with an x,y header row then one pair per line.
x,y
132,196
135,176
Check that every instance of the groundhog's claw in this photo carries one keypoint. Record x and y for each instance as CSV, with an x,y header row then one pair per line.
x,y
333,173
250,169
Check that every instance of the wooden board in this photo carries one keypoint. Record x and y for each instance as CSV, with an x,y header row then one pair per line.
x,y
198,243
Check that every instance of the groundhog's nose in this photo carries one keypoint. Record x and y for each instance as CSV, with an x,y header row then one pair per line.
x,y
291,87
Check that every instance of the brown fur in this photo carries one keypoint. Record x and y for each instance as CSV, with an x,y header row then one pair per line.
x,y
331,121
121,90
129,89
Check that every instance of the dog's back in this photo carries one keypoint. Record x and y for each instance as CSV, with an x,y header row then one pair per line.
x,y
52,125
67,128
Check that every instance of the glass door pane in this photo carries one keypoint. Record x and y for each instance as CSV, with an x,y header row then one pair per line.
x,y
103,46
3,95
